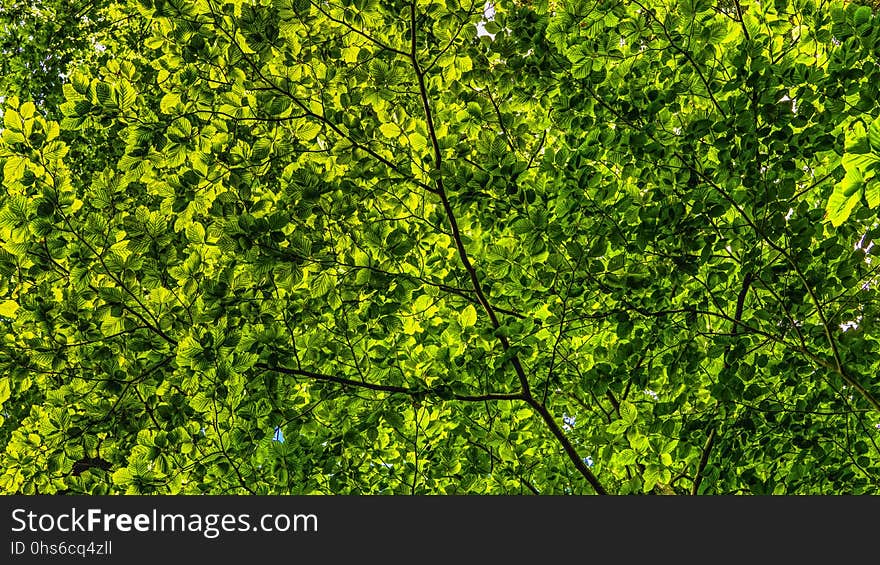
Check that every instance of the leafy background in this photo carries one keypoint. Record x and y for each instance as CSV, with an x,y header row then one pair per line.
x,y
439,247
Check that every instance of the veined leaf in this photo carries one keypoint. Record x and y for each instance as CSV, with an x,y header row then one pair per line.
x,y
628,412
390,130
874,135
14,168
468,316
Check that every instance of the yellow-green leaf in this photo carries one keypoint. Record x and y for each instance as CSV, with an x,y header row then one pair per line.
x,y
5,390
844,198
12,119
27,110
308,131
468,316
418,141
168,102
14,168
8,308
390,130
872,193
874,135
628,411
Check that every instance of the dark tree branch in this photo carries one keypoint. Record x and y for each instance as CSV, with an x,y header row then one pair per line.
x,y
704,459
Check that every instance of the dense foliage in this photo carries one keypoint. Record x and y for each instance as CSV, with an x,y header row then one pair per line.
x,y
574,246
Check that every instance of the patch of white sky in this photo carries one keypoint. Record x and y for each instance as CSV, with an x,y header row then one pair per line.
x,y
794,106
488,16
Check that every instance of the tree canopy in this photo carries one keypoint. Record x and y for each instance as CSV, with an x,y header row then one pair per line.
x,y
441,246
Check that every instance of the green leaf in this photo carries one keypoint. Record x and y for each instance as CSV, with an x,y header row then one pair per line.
x,y
12,120
14,168
390,130
103,94
468,316
321,284
872,193
80,82
418,141
54,150
195,232
125,96
12,136
616,427
27,110
169,103
308,131
874,135
122,477
261,149
628,412
862,15
463,64
651,477
5,390
844,198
